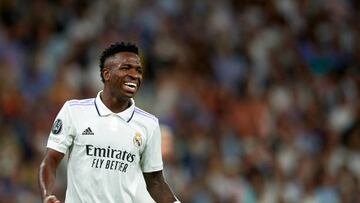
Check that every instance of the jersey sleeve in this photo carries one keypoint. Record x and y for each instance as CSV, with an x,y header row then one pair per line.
x,y
62,132
151,159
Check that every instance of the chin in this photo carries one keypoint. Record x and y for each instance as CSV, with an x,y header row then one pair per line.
x,y
128,95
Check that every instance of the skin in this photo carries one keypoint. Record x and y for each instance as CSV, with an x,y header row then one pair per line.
x,y
118,69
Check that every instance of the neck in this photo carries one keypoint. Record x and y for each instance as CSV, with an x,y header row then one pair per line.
x,y
115,104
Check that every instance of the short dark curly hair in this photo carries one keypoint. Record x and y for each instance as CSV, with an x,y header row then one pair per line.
x,y
116,48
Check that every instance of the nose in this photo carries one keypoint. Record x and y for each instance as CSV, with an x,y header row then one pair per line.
x,y
134,73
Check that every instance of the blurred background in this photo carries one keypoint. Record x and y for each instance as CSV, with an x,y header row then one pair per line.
x,y
260,98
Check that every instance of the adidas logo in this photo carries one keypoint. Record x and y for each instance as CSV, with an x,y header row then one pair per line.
x,y
87,131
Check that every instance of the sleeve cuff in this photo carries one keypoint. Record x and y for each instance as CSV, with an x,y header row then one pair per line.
x,y
56,148
152,169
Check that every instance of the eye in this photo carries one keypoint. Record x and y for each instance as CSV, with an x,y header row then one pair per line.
x,y
124,68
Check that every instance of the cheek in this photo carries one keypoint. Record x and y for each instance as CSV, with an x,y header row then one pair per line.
x,y
115,78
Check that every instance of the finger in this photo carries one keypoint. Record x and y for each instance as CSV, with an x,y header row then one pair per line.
x,y
51,199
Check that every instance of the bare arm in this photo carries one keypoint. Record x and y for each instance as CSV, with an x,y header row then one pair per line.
x,y
47,175
158,188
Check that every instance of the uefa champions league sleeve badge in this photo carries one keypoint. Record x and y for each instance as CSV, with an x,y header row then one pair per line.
x,y
57,126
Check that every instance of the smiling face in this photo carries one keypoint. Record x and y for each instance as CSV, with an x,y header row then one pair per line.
x,y
123,75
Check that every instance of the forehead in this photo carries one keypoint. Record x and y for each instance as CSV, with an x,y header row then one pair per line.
x,y
124,57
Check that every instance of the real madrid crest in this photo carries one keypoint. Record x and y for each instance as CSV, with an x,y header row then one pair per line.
x,y
137,139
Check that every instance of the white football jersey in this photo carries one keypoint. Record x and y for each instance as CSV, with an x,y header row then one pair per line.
x,y
108,152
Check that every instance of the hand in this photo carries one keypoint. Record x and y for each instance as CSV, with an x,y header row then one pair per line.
x,y
51,199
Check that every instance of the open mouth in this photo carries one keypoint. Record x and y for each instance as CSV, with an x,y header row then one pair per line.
x,y
131,86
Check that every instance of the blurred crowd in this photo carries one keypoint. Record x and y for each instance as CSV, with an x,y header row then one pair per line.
x,y
261,97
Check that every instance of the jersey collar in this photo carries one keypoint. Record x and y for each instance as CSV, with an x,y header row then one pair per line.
x,y
102,110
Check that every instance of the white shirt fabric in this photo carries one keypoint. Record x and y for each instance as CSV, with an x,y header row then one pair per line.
x,y
108,152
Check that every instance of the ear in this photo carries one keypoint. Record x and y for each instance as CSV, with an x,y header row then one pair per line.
x,y
106,74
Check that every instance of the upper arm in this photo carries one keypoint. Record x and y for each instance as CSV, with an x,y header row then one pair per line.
x,y
153,178
158,188
47,171
52,158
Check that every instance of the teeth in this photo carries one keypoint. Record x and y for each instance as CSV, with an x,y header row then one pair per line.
x,y
130,84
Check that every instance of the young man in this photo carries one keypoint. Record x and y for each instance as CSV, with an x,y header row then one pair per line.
x,y
111,143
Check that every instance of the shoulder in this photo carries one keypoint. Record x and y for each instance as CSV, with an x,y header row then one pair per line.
x,y
80,102
145,116
79,108
76,105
